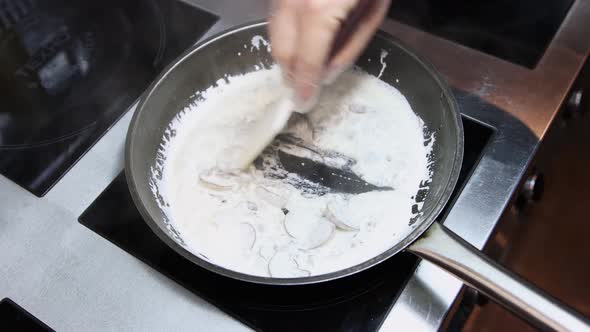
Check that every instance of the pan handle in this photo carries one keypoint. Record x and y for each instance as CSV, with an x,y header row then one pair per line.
x,y
445,249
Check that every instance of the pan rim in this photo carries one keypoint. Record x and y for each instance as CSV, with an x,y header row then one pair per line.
x,y
424,225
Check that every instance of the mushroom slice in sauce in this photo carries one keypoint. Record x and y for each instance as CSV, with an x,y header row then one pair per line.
x,y
341,223
322,233
276,199
217,180
251,231
307,230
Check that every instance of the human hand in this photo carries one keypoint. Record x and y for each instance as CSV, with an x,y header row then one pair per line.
x,y
302,34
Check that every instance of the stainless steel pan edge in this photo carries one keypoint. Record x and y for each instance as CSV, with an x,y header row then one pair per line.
x,y
134,178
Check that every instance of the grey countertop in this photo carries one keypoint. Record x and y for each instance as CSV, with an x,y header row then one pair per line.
x,y
73,279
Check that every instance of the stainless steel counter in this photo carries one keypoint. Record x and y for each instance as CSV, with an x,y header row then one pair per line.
x,y
73,279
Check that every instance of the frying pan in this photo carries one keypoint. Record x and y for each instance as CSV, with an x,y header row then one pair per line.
x,y
205,63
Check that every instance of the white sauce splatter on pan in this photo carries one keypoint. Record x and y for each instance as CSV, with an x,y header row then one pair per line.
x,y
257,42
384,54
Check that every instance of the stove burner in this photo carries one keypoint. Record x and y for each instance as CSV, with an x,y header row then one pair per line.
x,y
69,69
60,61
356,303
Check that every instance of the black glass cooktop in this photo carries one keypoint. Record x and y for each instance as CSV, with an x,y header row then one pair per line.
x,y
517,31
69,69
15,318
356,303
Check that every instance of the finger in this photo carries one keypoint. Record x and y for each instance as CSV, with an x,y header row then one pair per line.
x,y
282,30
319,21
347,56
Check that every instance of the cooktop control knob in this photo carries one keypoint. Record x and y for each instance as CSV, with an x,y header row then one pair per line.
x,y
574,106
532,189
574,103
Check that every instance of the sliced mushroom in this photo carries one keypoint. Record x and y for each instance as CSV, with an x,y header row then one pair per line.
x,y
322,233
266,252
341,223
251,230
285,227
217,180
309,231
242,236
272,197
299,224
299,267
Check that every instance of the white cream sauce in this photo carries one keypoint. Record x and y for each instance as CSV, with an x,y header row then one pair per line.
x,y
239,221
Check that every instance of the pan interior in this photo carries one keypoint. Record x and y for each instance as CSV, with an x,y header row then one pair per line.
x,y
206,63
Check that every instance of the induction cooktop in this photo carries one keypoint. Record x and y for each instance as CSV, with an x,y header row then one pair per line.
x,y
70,69
355,303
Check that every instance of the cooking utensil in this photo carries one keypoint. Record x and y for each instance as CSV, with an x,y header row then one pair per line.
x,y
271,122
275,116
429,97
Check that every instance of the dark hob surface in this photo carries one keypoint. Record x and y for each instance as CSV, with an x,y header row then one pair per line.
x,y
516,31
356,303
69,69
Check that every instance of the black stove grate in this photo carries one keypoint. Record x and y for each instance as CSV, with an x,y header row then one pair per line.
x,y
70,69
356,303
